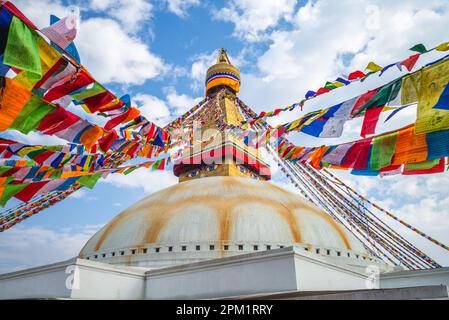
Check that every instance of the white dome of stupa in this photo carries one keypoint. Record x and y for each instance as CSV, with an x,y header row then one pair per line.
x,y
217,217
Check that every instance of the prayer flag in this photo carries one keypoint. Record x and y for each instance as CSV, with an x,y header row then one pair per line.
x,y
443,47
410,62
21,48
434,81
437,144
410,147
383,150
419,48
427,167
15,97
90,181
356,75
373,67
31,115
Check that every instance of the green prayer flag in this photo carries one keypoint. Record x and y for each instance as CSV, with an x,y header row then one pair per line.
x,y
21,48
129,170
422,165
419,48
383,150
96,89
386,94
3,169
330,86
9,191
156,165
31,115
90,181
56,174
35,153
67,159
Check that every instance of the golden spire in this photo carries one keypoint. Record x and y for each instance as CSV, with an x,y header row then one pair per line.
x,y
223,73
223,57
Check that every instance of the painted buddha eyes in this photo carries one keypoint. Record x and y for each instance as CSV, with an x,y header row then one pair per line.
x,y
212,168
192,174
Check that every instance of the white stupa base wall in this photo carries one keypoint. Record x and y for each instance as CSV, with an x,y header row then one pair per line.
x,y
283,270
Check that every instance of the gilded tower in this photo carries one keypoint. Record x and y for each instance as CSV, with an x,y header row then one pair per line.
x,y
215,150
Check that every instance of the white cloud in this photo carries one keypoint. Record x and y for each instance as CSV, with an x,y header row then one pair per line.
x,y
162,112
114,56
180,103
180,7
131,14
39,11
111,52
326,39
253,18
153,108
144,179
199,67
82,194
25,247
35,138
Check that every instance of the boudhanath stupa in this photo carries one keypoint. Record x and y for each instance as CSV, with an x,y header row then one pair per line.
x,y
224,231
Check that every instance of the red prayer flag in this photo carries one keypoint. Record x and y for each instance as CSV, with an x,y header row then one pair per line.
x,y
356,75
96,102
321,91
30,190
111,124
363,99
411,61
57,120
70,84
357,155
43,156
107,141
370,121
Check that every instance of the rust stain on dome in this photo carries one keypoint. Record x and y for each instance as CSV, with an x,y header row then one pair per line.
x,y
172,201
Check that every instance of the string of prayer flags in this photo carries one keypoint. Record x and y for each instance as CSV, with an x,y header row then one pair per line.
x,y
383,154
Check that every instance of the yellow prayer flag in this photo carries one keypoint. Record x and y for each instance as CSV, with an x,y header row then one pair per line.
x,y
373,67
411,86
24,151
294,125
338,84
71,174
434,80
48,55
443,47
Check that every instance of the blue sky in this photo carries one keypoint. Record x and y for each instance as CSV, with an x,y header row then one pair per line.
x,y
158,52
